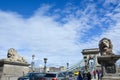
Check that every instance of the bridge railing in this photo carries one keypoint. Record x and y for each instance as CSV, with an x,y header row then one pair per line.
x,y
76,66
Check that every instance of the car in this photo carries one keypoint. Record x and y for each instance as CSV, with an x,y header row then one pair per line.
x,y
55,76
76,73
33,76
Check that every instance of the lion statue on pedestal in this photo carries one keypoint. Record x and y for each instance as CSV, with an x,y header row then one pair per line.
x,y
105,47
14,57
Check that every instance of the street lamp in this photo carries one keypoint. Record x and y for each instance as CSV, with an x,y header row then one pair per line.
x,y
32,63
86,63
67,65
45,61
33,56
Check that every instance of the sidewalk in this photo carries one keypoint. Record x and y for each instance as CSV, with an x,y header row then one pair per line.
x,y
93,79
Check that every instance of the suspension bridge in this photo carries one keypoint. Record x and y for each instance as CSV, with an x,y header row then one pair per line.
x,y
88,63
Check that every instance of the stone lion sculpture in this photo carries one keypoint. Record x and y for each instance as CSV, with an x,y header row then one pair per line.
x,y
14,57
105,46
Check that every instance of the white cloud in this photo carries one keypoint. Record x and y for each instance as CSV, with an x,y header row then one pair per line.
x,y
111,1
59,42
39,35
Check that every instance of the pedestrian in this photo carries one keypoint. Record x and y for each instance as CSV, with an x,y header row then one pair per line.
x,y
89,76
85,77
99,74
94,74
80,77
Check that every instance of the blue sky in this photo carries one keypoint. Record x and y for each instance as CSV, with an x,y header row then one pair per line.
x,y
57,29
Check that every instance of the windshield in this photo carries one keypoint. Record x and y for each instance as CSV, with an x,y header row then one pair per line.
x,y
50,75
35,74
27,75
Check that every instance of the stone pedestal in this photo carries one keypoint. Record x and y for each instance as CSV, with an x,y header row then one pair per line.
x,y
109,69
12,70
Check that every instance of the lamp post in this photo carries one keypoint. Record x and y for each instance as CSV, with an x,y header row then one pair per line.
x,y
86,63
45,61
32,63
67,69
67,65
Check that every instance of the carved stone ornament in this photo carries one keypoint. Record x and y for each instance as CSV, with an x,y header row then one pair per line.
x,y
13,56
105,47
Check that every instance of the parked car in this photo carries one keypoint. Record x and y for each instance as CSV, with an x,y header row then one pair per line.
x,y
33,76
55,76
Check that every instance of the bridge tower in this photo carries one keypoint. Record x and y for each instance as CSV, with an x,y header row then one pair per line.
x,y
90,59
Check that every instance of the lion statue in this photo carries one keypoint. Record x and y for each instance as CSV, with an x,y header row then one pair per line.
x,y
14,57
105,47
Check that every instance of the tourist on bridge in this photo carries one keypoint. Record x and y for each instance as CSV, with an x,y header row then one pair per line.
x,y
99,73
94,74
89,76
80,77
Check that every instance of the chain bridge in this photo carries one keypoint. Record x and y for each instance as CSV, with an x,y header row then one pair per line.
x,y
88,63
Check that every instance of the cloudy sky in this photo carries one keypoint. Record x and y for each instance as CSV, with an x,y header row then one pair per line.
x,y
57,29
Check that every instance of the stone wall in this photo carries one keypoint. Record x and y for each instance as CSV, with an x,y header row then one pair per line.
x,y
12,70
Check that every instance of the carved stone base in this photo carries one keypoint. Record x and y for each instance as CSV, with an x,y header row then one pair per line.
x,y
12,70
109,69
111,78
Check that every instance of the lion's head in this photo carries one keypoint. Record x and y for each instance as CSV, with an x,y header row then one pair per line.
x,y
11,53
105,46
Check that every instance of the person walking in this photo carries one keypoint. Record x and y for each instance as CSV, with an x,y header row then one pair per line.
x,y
80,77
94,74
89,76
99,74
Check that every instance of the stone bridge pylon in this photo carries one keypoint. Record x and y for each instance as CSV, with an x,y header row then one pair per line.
x,y
13,66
